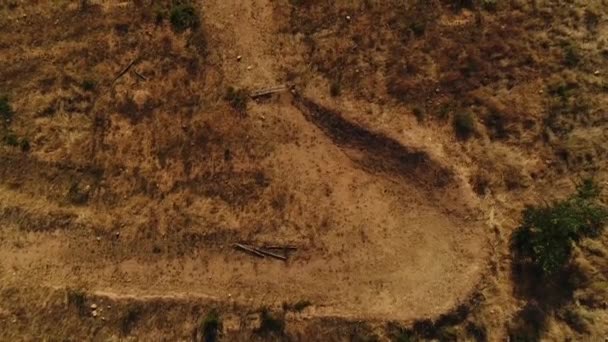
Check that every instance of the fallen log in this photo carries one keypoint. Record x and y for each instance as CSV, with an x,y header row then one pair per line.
x,y
267,91
249,249
271,254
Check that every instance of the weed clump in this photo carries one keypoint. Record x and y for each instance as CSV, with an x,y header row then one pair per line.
x,y
6,112
547,233
184,17
237,98
464,125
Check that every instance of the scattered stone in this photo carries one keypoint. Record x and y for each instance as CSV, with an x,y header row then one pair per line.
x,y
238,58
348,17
94,313
249,67
93,306
597,72
98,238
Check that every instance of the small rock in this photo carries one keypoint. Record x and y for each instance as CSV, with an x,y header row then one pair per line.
x,y
98,238
348,17
238,58
597,72
93,306
249,67
94,313
117,234
229,295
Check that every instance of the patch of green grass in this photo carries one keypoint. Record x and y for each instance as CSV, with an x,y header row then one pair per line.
x,y
183,17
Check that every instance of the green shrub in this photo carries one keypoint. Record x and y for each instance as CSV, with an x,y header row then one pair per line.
x,y
6,112
11,139
77,299
24,144
489,5
571,55
270,325
237,98
547,233
184,17
88,85
419,114
464,125
211,326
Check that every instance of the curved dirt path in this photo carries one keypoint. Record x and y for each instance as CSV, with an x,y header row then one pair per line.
x,y
371,246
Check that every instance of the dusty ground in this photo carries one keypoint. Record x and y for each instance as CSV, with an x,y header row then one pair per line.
x,y
133,190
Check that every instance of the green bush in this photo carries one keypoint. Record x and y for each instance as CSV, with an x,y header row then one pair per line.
x,y
489,5
464,125
547,233
184,17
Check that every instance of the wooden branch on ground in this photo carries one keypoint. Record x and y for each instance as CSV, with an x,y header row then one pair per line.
x,y
271,254
140,75
288,247
267,91
124,71
248,249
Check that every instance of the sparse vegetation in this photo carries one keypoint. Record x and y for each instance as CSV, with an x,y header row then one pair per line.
x,y
298,306
548,232
183,17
